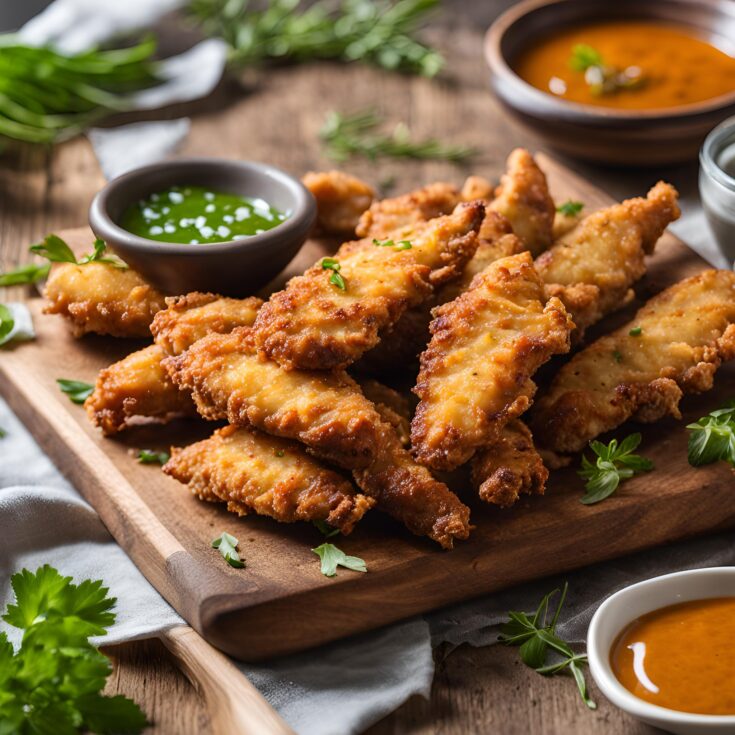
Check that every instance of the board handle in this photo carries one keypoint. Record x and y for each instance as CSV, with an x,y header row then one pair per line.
x,y
233,703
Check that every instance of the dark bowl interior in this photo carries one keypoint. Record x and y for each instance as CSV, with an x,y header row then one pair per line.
x,y
622,137
235,267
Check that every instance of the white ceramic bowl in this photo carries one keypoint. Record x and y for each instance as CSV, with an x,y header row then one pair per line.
x,y
630,603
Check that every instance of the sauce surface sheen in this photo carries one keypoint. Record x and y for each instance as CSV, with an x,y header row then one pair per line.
x,y
676,67
686,651
196,214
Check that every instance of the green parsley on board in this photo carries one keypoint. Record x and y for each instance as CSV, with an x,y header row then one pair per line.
x,y
53,682
613,465
227,546
150,456
77,391
712,438
25,274
538,639
332,557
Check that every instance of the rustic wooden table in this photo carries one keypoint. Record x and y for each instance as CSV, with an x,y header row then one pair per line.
x,y
275,116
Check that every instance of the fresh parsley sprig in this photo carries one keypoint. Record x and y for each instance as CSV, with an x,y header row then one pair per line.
x,y
613,464
602,78
227,545
350,135
537,639
150,456
77,390
52,683
53,248
379,32
336,278
570,208
25,274
332,557
712,437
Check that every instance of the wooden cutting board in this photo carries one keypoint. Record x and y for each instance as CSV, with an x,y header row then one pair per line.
x,y
281,603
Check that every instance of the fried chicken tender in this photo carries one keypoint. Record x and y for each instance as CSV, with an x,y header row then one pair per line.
x,y
509,467
315,324
99,298
326,411
256,473
188,318
397,214
476,372
393,408
477,187
341,200
136,387
564,223
523,199
686,332
592,268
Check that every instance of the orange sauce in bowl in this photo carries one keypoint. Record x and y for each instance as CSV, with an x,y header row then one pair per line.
x,y
681,657
676,67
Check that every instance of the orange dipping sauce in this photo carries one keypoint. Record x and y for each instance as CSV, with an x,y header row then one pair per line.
x,y
675,66
681,657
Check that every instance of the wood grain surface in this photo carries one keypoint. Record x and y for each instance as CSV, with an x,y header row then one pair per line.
x,y
475,690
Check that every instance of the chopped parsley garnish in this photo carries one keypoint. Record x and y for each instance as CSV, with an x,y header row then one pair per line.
x,y
77,391
400,245
712,438
636,332
53,682
613,465
227,546
279,453
332,557
150,456
335,278
617,356
570,208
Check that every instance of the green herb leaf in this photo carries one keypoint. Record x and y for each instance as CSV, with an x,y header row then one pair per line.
x,y
53,248
24,274
227,546
77,391
349,135
583,57
3,433
400,245
636,332
570,208
536,636
332,557
613,465
149,456
7,322
279,453
335,278
52,683
712,437
617,356
325,529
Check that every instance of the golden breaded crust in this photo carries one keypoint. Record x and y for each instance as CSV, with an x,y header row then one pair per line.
x,y
136,387
592,268
341,200
687,331
476,372
188,318
509,467
99,298
256,473
523,199
314,324
398,214
477,187
393,407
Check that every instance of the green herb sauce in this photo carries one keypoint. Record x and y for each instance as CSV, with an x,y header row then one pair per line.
x,y
196,214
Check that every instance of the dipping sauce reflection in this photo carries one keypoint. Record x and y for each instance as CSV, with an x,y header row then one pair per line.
x,y
636,65
681,657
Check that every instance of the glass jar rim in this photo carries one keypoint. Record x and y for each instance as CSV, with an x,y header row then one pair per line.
x,y
711,149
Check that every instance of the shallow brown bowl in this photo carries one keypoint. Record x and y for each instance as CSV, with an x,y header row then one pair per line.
x,y
620,137
235,267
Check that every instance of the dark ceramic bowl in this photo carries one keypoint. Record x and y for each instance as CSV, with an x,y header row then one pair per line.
x,y
235,268
627,137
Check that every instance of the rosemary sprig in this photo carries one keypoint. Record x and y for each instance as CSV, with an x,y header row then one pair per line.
x,y
379,32
356,134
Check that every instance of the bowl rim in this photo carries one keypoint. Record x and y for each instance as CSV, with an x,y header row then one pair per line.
x,y
499,65
599,656
297,224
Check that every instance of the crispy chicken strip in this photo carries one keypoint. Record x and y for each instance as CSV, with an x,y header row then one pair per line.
x,y
476,372
509,467
136,387
341,200
256,473
592,268
403,213
393,408
316,324
477,187
327,412
100,298
565,223
523,199
188,318
686,332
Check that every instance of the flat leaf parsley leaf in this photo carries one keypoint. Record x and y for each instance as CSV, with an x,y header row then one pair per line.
x,y
332,557
77,391
52,683
712,438
613,464
227,545
570,208
31,273
53,248
150,456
